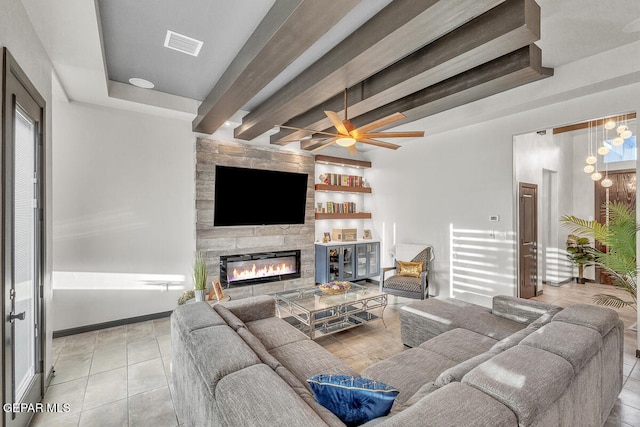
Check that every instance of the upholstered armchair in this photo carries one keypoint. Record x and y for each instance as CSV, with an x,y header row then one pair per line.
x,y
409,277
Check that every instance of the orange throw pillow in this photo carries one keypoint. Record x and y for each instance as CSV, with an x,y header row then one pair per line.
x,y
409,269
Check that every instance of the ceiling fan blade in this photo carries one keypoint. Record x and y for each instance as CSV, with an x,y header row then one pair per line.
x,y
379,123
393,135
336,122
379,143
315,144
352,149
308,130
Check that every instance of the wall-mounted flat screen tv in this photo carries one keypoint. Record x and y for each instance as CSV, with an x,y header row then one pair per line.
x,y
258,197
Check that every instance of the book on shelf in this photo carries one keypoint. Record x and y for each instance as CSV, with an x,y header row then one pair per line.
x,y
341,207
343,180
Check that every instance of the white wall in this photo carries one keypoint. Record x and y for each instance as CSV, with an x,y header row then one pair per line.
x,y
123,211
18,35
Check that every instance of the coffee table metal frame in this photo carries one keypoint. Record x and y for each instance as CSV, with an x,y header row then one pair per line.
x,y
318,314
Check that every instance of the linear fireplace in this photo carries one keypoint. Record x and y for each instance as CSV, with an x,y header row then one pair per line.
x,y
248,269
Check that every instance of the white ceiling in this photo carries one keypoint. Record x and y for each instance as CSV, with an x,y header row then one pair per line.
x,y
69,30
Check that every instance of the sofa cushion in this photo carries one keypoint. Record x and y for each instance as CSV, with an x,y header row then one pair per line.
x,y
489,324
302,389
408,371
218,351
576,344
599,318
520,310
232,320
189,317
275,332
355,400
259,348
457,372
426,389
525,379
256,396
455,404
459,344
252,308
307,358
514,339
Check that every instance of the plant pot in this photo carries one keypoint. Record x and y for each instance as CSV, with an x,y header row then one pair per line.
x,y
199,294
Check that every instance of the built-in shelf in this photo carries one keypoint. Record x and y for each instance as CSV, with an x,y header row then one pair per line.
x,y
339,161
360,215
343,188
346,179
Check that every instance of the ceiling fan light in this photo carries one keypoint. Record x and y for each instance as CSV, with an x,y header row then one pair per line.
x,y
603,150
345,141
606,183
596,176
626,134
591,160
610,124
618,141
589,169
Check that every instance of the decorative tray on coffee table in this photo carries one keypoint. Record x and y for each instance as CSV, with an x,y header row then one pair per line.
x,y
333,288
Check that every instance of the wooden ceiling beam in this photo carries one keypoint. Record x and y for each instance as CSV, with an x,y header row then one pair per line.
x,y
503,29
594,123
287,30
396,31
507,72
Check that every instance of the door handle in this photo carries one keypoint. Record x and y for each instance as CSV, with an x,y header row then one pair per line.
x,y
19,316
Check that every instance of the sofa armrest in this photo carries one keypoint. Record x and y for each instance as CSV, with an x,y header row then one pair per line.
x,y
521,310
253,308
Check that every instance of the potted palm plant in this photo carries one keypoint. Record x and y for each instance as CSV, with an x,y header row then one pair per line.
x,y
579,252
619,261
199,276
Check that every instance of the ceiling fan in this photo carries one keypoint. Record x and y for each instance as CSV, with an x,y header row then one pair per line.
x,y
348,135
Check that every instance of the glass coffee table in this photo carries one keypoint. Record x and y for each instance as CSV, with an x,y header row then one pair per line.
x,y
318,314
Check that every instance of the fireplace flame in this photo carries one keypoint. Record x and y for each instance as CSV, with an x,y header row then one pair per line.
x,y
264,271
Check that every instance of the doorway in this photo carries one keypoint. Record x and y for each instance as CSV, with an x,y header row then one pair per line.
x,y
528,220
22,251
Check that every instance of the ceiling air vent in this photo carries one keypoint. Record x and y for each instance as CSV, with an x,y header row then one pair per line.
x,y
182,43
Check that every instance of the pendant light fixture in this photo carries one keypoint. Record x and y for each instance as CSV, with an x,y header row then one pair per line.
x,y
606,182
591,159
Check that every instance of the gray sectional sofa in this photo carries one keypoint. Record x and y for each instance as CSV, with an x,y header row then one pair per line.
x,y
520,363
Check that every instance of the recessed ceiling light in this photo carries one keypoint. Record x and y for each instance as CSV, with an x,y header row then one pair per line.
x,y
632,27
182,43
145,84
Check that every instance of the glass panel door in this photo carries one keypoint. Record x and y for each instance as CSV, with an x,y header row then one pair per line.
x,y
346,255
361,260
24,244
334,264
374,256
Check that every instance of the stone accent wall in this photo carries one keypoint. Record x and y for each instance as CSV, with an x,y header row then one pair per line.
x,y
215,241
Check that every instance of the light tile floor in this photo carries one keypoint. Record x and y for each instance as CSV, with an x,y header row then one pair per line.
x,y
121,376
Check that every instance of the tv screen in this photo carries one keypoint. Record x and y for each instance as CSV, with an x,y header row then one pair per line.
x,y
258,197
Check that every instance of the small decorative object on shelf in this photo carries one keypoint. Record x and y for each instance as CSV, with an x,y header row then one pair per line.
x,y
344,234
366,234
217,287
333,288
326,238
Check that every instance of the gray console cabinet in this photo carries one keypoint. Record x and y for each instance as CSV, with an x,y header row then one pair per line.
x,y
347,261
